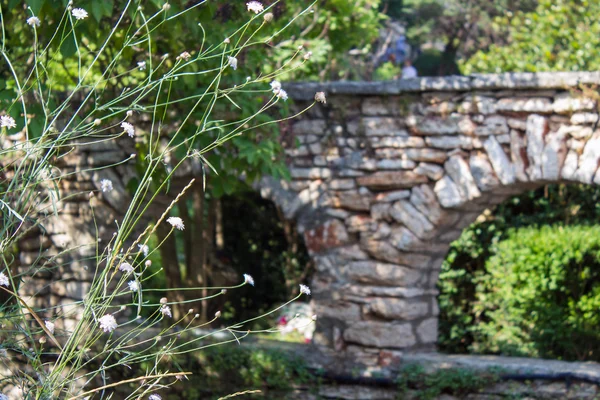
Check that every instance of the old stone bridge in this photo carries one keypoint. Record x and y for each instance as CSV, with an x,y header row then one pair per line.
x,y
387,174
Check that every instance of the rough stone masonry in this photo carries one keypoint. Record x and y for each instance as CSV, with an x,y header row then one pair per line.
x,y
387,174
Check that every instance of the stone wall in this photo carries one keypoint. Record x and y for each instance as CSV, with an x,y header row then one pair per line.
x,y
384,177
387,174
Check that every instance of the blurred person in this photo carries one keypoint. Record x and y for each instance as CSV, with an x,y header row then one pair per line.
x,y
408,71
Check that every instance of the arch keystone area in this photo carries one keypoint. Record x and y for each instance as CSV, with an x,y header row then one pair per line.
x,y
387,174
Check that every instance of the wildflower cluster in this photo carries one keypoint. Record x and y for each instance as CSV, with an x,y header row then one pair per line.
x,y
115,100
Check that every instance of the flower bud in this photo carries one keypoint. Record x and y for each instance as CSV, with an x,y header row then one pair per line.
x,y
268,17
163,300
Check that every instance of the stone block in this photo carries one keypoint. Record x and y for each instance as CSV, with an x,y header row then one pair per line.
x,y
567,103
386,197
540,105
384,251
399,142
458,169
383,274
482,172
424,199
554,155
502,166
479,105
395,164
309,126
584,118
427,331
432,171
310,173
405,212
403,239
341,184
426,155
537,127
518,155
436,125
391,308
383,126
352,201
376,106
588,161
450,142
330,234
380,211
492,125
518,124
391,180
341,310
570,165
358,223
448,193
381,335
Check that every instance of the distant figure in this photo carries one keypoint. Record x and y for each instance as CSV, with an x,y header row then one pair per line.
x,y
408,71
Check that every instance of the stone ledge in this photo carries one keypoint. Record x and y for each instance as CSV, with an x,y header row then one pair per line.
x,y
511,80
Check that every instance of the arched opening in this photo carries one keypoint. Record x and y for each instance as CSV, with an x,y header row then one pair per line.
x,y
524,278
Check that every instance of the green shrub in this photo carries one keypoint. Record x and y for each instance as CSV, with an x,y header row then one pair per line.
x,y
462,310
541,294
224,370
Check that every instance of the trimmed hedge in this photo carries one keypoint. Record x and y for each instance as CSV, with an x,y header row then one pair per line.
x,y
538,296
541,294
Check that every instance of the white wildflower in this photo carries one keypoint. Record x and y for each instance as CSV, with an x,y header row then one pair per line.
x,y
282,94
49,326
127,127
308,55
176,222
126,267
7,122
275,86
166,310
106,185
79,13
185,56
144,249
248,279
3,279
320,97
232,62
142,65
255,6
108,323
154,397
133,286
33,21
304,289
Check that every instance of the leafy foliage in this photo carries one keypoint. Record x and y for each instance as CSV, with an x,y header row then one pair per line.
x,y
541,294
220,370
467,291
560,35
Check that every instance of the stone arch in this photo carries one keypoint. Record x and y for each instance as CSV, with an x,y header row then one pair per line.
x,y
386,176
